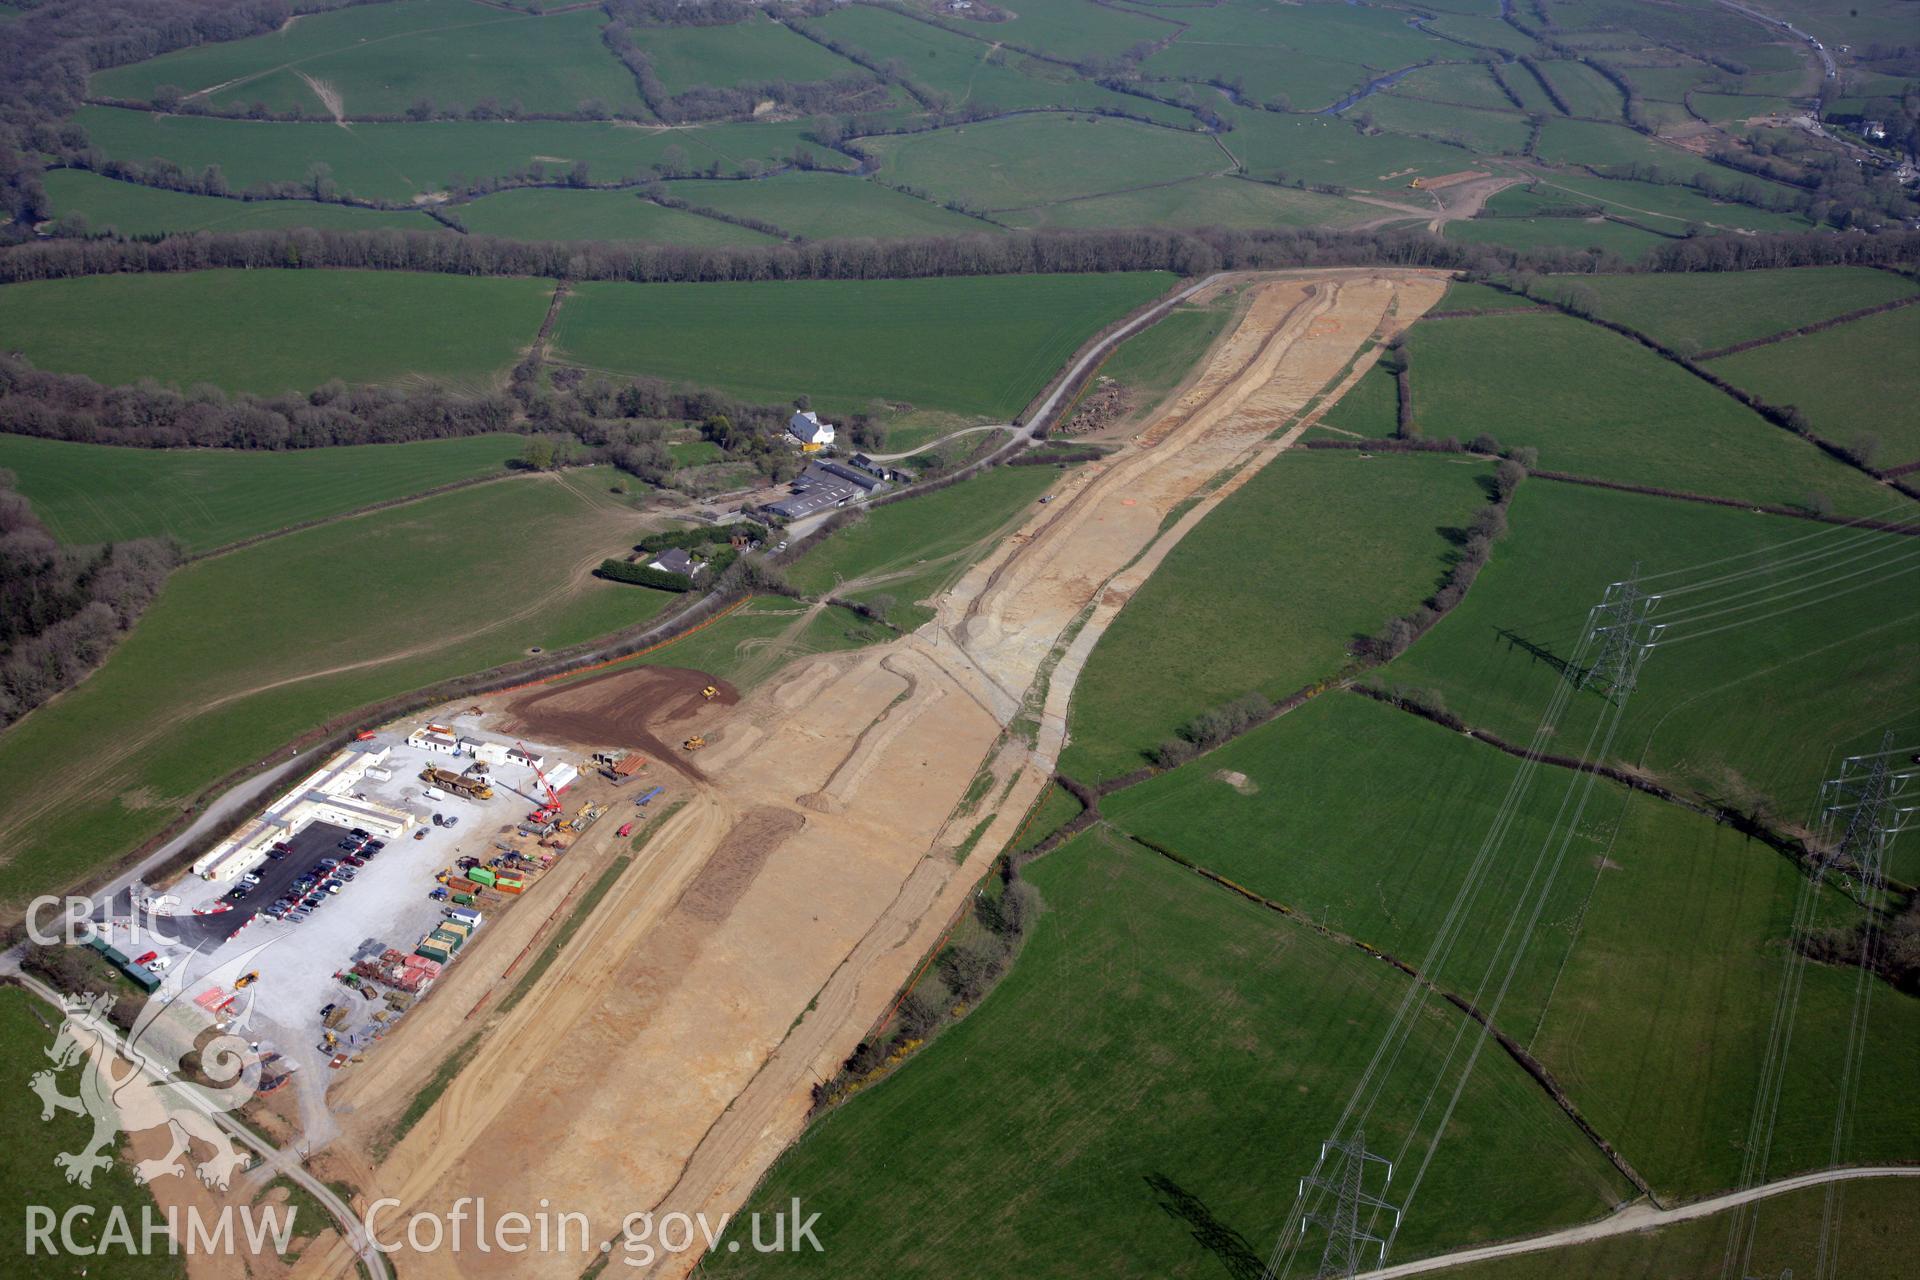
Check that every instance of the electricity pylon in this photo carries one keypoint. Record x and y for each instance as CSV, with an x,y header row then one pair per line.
x,y
1862,809
1346,1237
1621,624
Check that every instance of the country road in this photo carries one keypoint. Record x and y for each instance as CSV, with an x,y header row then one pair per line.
x,y
1635,1218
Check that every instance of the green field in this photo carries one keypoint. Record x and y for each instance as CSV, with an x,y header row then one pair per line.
x,y
1213,201
748,52
134,210
1585,90
829,206
1330,149
1324,548
1465,83
977,345
1763,709
1186,1013
1371,409
1479,297
1857,382
1156,360
546,214
1869,1230
1598,404
1701,311
1489,132
753,642
911,550
243,652
270,331
206,498
379,59
1309,55
401,161
29,1176
1070,29
1664,208
1630,244
1028,161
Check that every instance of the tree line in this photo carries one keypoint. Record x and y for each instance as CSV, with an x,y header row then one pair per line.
x,y
62,609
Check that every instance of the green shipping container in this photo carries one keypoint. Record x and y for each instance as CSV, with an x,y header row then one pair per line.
x,y
481,875
431,952
445,939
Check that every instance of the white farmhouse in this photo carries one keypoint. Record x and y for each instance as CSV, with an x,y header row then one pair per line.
x,y
806,427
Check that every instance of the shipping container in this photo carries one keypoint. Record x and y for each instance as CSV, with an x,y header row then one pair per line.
x,y
447,938
511,886
482,875
461,927
465,914
429,951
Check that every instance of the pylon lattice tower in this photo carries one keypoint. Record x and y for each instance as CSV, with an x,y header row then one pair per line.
x,y
1622,625
1862,808
1346,1237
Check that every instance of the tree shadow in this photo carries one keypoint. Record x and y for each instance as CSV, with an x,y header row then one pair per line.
x,y
1216,1237
1541,653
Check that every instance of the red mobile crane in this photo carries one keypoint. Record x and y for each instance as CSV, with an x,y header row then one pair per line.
x,y
551,809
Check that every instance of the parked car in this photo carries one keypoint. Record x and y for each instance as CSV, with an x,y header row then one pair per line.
x,y
376,845
355,861
246,980
161,965
360,832
452,822
279,851
148,958
421,834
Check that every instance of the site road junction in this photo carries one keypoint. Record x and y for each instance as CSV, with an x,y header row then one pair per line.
x,y
666,1057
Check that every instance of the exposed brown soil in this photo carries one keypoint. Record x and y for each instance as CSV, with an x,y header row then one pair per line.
x,y
624,709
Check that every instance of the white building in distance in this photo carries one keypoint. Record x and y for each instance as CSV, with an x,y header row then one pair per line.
x,y
806,427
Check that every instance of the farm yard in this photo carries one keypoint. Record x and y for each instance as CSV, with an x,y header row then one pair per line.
x,y
1122,612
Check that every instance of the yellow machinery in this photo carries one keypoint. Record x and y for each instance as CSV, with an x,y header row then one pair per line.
x,y
710,692
694,743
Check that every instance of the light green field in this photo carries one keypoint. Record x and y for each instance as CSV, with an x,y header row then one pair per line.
x,y
1465,83
1032,160
545,214
1479,297
29,1176
1664,208
967,72
1371,409
1855,382
1070,30
134,210
243,652
401,161
1731,108
1325,547
744,53
1153,362
1614,147
1328,149
1186,1011
1699,311
1309,54
1630,244
1823,663
753,642
911,550
980,345
1585,90
1598,404
1198,202
1869,1232
830,206
1490,132
206,498
381,58
270,331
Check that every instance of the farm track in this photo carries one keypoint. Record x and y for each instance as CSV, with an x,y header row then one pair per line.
x,y
829,823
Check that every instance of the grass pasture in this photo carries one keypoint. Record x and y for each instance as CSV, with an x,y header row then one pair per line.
x,y
1156,360
244,651
206,498
1028,161
1857,383
1700,311
1326,547
1329,149
379,59
1492,132
269,331
750,52
1597,404
1754,714
977,345
913,549
1664,208
1211,201
1188,1013
829,206
1308,55
404,160
134,210
29,1176
1371,409
1466,84
1630,244
539,213
753,642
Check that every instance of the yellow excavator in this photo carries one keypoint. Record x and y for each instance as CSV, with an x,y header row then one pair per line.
x,y
694,743
711,692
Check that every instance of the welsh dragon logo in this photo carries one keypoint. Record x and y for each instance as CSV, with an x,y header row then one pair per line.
x,y
174,1069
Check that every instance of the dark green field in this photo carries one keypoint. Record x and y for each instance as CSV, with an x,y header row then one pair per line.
x,y
134,210
273,331
982,346
1298,598
1213,1045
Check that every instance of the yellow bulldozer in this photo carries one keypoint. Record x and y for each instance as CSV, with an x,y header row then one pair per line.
x,y
694,743
711,692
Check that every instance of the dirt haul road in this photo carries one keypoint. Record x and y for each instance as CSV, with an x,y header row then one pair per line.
x,y
772,922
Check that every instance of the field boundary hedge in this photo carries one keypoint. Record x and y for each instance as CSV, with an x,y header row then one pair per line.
x,y
1535,1069
1816,327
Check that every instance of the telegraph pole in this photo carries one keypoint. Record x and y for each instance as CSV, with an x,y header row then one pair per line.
x,y
1346,1183
1620,622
